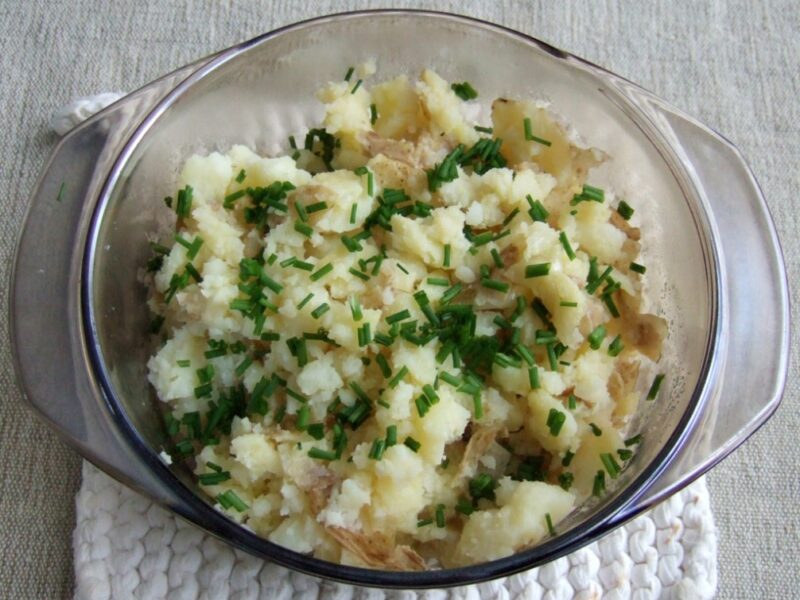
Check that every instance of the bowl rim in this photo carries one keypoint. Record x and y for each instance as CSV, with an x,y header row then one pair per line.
x,y
202,513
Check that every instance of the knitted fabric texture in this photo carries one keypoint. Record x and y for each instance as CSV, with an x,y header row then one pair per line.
x,y
127,547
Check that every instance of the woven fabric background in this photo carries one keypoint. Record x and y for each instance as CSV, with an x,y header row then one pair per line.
x,y
733,64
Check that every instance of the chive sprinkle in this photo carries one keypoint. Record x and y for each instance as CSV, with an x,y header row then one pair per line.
x,y
616,346
243,366
213,478
567,458
611,465
537,211
304,229
596,337
402,268
356,86
555,421
355,309
364,335
321,272
568,304
353,213
498,260
533,377
624,453
304,301
572,402
510,217
241,176
386,370
359,274
567,246
634,441
229,499
599,485
320,310
321,454
302,265
412,444
398,377
440,515
349,73
464,90
595,430
494,284
480,129
526,124
440,281
301,211
537,270
373,114
624,209
651,395
637,268
424,522
477,406
398,316
447,250
316,207
550,529
62,188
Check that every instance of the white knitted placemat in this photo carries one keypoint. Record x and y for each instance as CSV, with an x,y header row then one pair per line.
x,y
128,547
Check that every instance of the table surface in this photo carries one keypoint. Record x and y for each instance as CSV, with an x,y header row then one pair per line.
x,y
734,65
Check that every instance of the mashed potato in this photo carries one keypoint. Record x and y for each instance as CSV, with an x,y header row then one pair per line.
x,y
412,343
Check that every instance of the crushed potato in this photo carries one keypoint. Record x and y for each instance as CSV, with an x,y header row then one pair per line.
x,y
413,342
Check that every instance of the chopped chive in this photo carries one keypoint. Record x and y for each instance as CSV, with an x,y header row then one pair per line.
x,y
529,133
398,377
316,207
555,421
184,363
537,210
599,485
359,274
464,90
241,176
242,367
356,86
383,339
213,478
233,501
302,214
287,262
61,189
634,441
595,430
596,337
303,416
440,515
551,357
567,304
498,260
611,465
533,377
477,406
537,270
567,458
378,447
441,281
355,309
349,74
480,129
430,393
567,247
565,480
424,522
446,261
321,454
637,268
624,209
296,395
482,238
510,217
304,301
616,346
450,378
624,454
292,142
364,335
593,193
494,284
386,370
450,294
321,272
373,113
592,286
572,402
320,310
316,431
651,395
353,213
302,265
423,405
550,529
304,229
230,200
270,336
402,268
398,316
411,443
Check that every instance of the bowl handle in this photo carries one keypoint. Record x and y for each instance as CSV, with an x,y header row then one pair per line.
x,y
751,373
44,308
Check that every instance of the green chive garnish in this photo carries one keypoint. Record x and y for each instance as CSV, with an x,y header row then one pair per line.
x,y
555,420
567,247
321,454
373,114
446,261
320,310
616,346
349,73
634,441
599,484
441,281
398,377
596,337
637,268
494,284
316,207
356,86
624,209
306,230
651,395
537,270
464,90
526,123
359,274
398,316
550,529
595,430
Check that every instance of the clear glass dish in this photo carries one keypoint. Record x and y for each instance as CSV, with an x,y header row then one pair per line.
x,y
699,205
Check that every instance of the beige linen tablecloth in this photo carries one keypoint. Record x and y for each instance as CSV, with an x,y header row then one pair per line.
x,y
734,65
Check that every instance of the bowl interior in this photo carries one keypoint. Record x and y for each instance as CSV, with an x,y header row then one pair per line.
x,y
265,91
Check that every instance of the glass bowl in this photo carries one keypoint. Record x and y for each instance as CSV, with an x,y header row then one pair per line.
x,y
715,271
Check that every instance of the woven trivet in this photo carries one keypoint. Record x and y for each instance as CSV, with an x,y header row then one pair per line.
x,y
127,547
